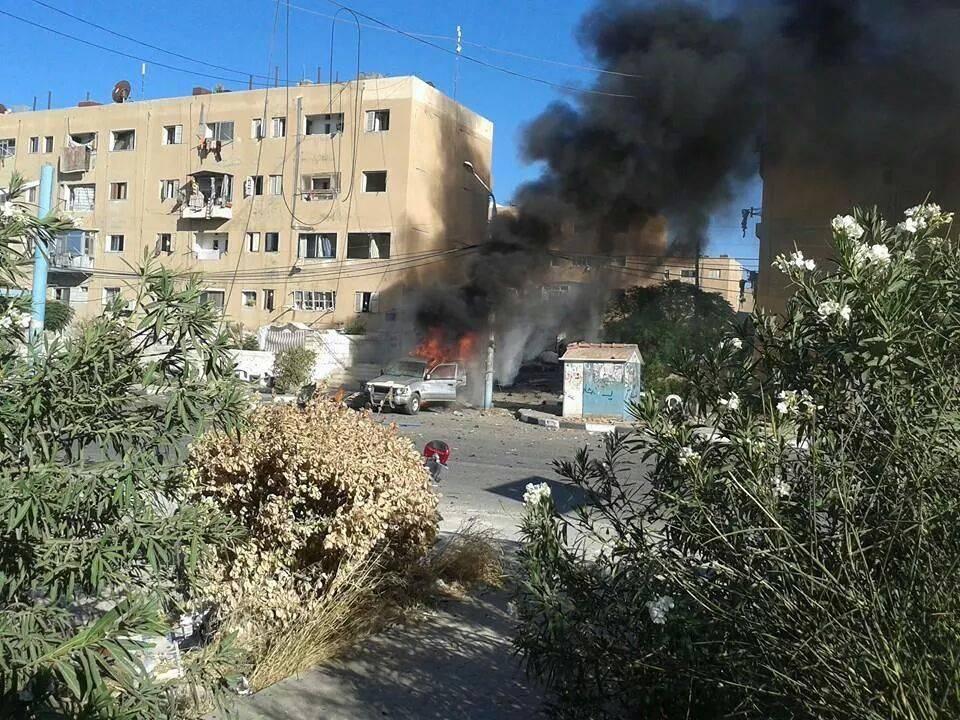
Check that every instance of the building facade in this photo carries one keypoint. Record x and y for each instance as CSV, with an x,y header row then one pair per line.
x,y
315,204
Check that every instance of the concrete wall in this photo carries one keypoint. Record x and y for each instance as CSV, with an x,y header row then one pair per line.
x,y
572,389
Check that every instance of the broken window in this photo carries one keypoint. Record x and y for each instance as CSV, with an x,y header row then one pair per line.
x,y
268,299
375,181
314,300
378,120
8,147
279,127
172,134
276,184
325,124
366,302
169,189
81,198
212,297
253,242
115,243
123,139
271,242
324,186
248,298
87,140
253,185
368,246
256,128
688,273
219,131
317,246
118,191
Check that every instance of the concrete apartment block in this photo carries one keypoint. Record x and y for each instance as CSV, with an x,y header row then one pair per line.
x,y
313,204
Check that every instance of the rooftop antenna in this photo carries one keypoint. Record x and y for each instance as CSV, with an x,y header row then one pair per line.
x,y
121,92
143,77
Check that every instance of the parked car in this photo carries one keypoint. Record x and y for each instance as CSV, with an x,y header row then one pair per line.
x,y
407,384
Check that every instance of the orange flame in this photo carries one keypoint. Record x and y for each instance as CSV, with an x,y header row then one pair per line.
x,y
435,348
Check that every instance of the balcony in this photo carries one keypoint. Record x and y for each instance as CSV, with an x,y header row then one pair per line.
x,y
202,253
199,207
71,252
75,158
309,195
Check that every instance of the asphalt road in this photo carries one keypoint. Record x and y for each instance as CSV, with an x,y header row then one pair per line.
x,y
493,458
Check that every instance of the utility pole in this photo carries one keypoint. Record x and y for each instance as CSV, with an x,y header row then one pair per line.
x,y
491,341
41,261
696,266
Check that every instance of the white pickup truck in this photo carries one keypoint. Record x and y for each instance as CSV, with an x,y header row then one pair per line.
x,y
407,384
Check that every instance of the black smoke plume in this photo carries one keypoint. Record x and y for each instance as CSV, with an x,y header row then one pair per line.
x,y
866,92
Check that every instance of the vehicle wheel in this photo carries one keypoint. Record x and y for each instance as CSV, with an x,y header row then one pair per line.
x,y
413,405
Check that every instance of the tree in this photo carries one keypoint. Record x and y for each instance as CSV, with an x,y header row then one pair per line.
x,y
97,540
58,315
793,554
665,321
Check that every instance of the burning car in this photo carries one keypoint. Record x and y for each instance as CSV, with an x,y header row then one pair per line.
x,y
408,383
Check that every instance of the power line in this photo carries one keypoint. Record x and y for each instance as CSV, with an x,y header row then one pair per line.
x,y
152,47
121,53
478,61
480,46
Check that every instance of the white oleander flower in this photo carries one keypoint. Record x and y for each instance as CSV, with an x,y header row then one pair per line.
x,y
845,313
658,609
860,254
536,493
731,402
688,455
847,226
792,402
781,488
879,254
832,307
737,343
796,260
8,209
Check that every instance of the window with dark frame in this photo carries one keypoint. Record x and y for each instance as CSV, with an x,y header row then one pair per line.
x,y
368,246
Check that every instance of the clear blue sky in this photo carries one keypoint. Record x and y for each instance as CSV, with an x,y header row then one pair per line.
x,y
37,61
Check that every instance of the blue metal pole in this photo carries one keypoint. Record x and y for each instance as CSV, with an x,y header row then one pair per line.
x,y
40,256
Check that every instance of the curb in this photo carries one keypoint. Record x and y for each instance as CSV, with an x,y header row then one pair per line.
x,y
554,423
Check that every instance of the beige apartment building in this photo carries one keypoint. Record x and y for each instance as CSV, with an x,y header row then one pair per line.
x,y
316,204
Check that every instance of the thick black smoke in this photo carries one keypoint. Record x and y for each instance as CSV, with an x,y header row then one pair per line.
x,y
865,91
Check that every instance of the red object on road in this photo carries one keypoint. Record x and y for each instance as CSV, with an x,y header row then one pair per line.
x,y
438,449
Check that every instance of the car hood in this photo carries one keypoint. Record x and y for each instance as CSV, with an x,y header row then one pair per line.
x,y
394,380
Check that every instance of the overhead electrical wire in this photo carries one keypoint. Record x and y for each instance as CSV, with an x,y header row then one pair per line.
x,y
158,48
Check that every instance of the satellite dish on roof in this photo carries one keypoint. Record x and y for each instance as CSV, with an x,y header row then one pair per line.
x,y
121,91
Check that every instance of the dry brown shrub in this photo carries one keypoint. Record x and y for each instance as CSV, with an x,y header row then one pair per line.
x,y
334,504
469,558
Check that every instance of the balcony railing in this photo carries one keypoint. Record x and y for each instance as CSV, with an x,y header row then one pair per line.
x,y
66,261
202,253
199,208
309,195
70,253
75,158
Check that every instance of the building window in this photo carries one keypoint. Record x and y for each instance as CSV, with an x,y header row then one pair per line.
x,y
41,144
118,191
248,298
314,300
271,242
688,273
375,181
325,124
323,186
31,194
8,147
712,273
169,189
317,246
368,246
253,242
268,299
48,144
253,185
378,120
165,242
123,139
173,134
219,131
110,294
88,140
34,146
279,127
256,128
81,198
366,302
115,243
212,297
276,184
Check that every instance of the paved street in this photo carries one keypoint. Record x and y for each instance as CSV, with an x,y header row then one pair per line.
x,y
493,458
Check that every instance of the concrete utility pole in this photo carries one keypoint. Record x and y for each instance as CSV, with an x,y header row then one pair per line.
x,y
41,261
491,342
